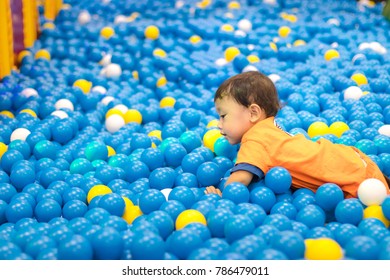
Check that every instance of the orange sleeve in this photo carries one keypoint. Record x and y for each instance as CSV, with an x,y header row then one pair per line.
x,y
254,153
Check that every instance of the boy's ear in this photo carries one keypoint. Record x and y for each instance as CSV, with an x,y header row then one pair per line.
x,y
256,112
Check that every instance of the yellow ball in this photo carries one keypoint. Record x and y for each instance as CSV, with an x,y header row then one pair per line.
x,y
210,137
189,216
253,58
107,32
284,31
231,53
331,54
29,111
135,75
273,46
22,55
323,249
317,129
133,115
152,32
213,123
359,79
7,114
111,151
195,39
128,202
375,211
155,133
299,42
365,92
42,54
159,52
97,190
131,213
49,25
291,18
114,111
338,128
84,85
167,102
234,5
227,28
162,81
3,149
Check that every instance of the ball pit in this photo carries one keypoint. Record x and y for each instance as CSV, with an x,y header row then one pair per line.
x,y
108,134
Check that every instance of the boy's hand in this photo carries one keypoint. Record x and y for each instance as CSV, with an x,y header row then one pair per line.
x,y
212,189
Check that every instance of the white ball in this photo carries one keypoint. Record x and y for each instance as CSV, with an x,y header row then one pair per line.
x,y
166,192
28,92
120,19
245,25
334,21
251,47
99,89
274,77
239,33
372,192
249,68
122,108
64,104
353,92
20,134
114,123
377,47
59,113
364,46
84,17
179,4
334,45
106,100
358,56
113,70
221,62
384,130
106,59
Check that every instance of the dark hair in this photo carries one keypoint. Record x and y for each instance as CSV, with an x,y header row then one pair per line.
x,y
249,88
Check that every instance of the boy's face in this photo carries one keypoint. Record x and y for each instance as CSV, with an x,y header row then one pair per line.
x,y
234,119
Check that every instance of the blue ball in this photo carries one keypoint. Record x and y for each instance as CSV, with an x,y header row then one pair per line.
x,y
190,117
136,170
191,162
236,192
7,192
349,211
345,232
203,254
267,231
284,208
107,244
147,246
303,200
362,248
73,209
38,244
263,197
290,243
47,209
386,207
249,246
271,254
113,203
151,200
75,247
328,196
183,242
9,158
216,221
163,221
209,174
311,215
173,208
174,154
153,158
278,179
182,194
238,226
253,211
162,177
17,210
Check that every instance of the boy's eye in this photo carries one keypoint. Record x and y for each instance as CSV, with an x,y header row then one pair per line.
x,y
222,116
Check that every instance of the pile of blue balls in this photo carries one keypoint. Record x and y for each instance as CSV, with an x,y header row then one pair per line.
x,y
108,131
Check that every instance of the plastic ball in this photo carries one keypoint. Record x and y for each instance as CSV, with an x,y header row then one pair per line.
x,y
112,70
290,243
263,197
284,31
114,123
189,216
311,215
151,200
147,246
208,174
107,244
383,130
375,211
359,79
113,203
338,128
236,192
194,39
42,53
20,134
131,213
210,137
353,92
47,209
183,242
317,129
362,248
97,190
107,32
73,209
231,53
83,84
349,211
167,102
323,249
331,54
238,226
152,32
328,196
372,192
278,179
244,25
132,115
75,247
64,104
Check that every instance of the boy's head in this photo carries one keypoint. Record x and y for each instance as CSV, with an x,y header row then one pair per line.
x,y
243,100
251,88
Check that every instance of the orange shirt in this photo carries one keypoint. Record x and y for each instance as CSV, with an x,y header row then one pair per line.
x,y
310,163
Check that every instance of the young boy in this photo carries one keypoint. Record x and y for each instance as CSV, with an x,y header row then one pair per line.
x,y
247,104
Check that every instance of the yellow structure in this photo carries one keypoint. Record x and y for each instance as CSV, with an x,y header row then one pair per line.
x,y
6,44
52,8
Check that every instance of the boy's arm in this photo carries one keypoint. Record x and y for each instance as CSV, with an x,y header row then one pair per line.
x,y
240,176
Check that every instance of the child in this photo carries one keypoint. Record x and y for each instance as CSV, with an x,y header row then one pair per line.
x,y
247,104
